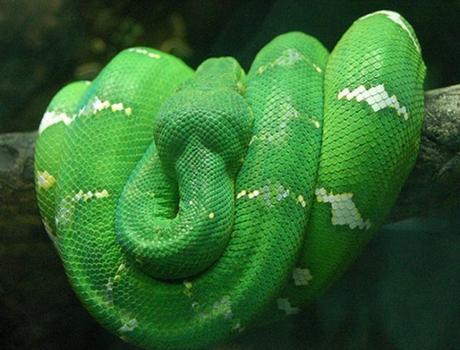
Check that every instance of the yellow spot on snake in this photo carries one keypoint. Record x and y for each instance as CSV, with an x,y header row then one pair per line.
x,y
102,194
45,180
315,123
117,107
120,269
301,200
241,194
188,288
240,87
211,215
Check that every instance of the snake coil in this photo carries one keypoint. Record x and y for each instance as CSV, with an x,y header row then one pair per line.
x,y
190,206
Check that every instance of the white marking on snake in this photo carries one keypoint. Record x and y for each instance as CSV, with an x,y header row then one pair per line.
x,y
219,308
282,194
145,52
237,327
53,117
267,194
85,196
276,191
66,208
48,228
211,216
287,112
45,180
285,305
64,213
301,276
97,105
288,58
129,326
51,234
223,307
92,108
396,17
344,211
109,285
376,97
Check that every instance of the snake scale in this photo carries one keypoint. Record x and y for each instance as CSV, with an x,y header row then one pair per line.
x,y
189,206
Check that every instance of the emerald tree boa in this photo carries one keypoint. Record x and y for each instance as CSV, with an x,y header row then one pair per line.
x,y
189,206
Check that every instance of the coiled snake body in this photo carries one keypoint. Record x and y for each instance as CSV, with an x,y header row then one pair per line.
x,y
189,206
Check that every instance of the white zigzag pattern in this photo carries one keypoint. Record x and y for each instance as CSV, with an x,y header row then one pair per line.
x,y
376,97
396,17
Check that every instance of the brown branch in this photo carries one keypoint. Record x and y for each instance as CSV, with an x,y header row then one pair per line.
x,y
433,184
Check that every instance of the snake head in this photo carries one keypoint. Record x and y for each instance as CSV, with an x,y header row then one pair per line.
x,y
210,111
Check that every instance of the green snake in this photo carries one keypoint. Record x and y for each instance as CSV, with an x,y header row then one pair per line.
x,y
189,206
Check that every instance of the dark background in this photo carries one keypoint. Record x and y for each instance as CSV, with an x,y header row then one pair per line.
x,y
47,43
402,293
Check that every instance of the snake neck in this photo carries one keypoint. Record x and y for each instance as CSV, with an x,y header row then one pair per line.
x,y
175,215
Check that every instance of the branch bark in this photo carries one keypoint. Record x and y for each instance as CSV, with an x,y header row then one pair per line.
x,y
434,183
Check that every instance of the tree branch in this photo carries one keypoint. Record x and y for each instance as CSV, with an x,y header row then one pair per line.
x,y
434,183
